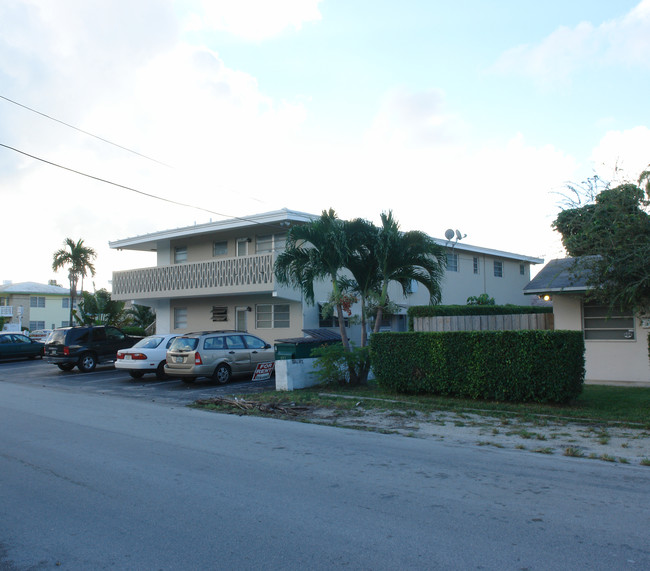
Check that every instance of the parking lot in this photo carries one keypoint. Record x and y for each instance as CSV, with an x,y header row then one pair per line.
x,y
107,380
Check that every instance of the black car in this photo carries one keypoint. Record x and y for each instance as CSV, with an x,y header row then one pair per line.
x,y
85,347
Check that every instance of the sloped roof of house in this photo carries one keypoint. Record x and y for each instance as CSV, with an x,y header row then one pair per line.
x,y
34,288
568,275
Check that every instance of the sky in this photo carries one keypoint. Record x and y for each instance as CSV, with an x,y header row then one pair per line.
x,y
468,115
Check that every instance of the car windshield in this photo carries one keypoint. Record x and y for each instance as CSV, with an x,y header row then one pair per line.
x,y
149,342
184,344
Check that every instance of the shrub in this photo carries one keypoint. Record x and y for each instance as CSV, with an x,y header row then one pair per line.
x,y
515,366
335,365
134,331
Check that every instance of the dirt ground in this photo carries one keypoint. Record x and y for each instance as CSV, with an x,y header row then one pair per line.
x,y
603,442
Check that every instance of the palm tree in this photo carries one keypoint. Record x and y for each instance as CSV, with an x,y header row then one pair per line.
x,y
405,257
141,315
316,251
79,259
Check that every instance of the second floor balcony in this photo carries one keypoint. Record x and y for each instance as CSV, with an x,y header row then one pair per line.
x,y
224,276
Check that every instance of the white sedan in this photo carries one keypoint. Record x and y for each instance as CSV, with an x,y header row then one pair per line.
x,y
146,356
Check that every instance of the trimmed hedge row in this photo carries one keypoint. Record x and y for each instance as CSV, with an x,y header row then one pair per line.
x,y
444,310
508,366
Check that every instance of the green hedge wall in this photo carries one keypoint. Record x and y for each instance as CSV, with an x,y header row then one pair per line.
x,y
440,310
507,366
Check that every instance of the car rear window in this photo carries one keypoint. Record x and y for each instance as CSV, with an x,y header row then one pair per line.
x,y
184,344
149,342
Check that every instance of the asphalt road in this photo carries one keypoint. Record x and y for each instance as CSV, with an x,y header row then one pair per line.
x,y
94,477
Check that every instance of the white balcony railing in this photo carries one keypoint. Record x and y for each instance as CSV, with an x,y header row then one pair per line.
x,y
246,273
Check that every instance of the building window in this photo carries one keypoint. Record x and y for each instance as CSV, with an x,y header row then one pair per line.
x,y
475,264
35,301
65,324
452,262
65,303
180,254
33,325
272,316
331,320
220,248
522,269
219,313
270,243
605,324
242,246
498,269
180,317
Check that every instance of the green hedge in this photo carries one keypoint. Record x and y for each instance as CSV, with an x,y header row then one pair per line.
x,y
508,366
444,310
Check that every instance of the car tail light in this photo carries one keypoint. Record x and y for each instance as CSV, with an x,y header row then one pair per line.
x,y
138,356
120,355
197,359
66,351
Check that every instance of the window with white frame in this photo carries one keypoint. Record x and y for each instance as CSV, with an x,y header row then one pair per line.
x,y
498,269
65,303
272,315
36,301
267,243
220,248
33,325
180,254
522,269
475,265
452,262
603,323
180,317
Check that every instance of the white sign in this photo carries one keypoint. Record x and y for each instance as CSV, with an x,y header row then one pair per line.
x,y
263,371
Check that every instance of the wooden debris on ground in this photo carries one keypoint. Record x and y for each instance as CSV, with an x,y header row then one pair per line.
x,y
266,407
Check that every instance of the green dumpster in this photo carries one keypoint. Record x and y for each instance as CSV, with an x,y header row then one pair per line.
x,y
299,347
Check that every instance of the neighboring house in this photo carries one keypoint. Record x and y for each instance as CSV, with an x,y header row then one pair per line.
x,y
616,342
219,275
34,305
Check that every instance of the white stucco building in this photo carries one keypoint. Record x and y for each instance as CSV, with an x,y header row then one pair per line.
x,y
219,275
34,305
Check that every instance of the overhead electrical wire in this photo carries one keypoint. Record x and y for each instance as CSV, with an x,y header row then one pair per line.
x,y
141,192
84,132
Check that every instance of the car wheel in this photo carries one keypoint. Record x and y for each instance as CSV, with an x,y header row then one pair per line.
x,y
189,380
65,366
87,362
160,371
222,374
136,374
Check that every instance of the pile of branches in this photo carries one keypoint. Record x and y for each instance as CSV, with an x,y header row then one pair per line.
x,y
244,405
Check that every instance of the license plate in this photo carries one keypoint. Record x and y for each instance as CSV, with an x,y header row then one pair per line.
x,y
127,357
178,359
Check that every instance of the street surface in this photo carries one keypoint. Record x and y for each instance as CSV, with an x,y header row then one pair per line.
x,y
114,474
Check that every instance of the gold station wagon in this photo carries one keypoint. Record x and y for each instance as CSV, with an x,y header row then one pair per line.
x,y
219,355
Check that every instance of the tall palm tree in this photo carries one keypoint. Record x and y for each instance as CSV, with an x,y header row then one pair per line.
x,y
79,260
405,257
316,251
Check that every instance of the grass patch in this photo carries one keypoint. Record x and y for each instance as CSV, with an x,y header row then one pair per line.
x,y
597,402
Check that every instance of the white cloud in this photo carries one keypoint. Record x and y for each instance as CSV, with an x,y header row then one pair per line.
x,y
622,41
622,155
255,20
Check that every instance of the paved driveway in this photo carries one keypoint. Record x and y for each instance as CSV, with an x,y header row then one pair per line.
x,y
107,380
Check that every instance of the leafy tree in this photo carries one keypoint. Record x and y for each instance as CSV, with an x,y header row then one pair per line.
x,y
141,315
611,238
79,260
404,258
483,299
99,309
316,251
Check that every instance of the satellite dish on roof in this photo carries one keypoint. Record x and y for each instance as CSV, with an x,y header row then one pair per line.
x,y
449,234
460,236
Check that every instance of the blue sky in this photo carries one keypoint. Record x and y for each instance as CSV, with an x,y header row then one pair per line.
x,y
469,114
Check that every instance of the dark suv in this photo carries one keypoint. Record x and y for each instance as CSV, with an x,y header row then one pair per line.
x,y
85,347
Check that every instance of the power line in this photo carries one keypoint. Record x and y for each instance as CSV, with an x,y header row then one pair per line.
x,y
136,190
82,131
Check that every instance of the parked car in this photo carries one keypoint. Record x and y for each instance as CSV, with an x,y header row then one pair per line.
x,y
219,355
40,335
19,346
86,346
146,356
